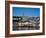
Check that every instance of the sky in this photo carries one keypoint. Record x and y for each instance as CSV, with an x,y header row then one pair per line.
x,y
19,11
